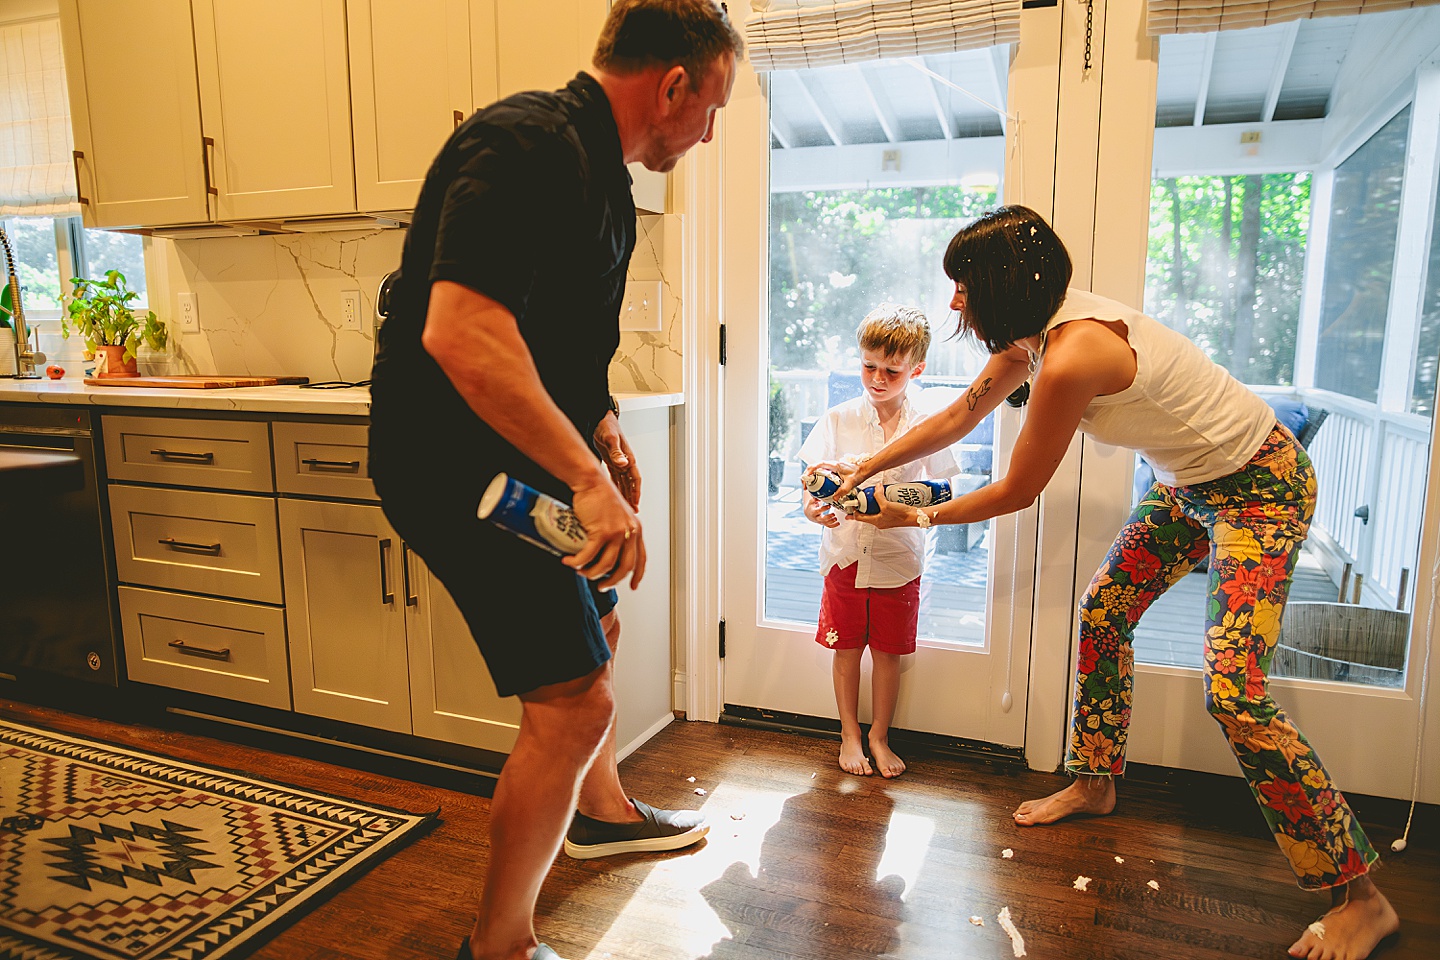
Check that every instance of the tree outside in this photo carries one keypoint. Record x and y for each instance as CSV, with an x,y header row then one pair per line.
x,y
1226,267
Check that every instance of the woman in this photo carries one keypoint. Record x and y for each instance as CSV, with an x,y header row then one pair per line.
x,y
1232,485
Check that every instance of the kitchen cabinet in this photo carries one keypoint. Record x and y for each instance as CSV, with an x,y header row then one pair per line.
x,y
189,111
374,638
417,69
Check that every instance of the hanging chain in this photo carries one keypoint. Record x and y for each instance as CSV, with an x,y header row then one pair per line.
x,y
1089,32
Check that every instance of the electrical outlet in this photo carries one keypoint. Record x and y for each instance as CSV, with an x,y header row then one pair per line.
x,y
189,317
640,310
350,310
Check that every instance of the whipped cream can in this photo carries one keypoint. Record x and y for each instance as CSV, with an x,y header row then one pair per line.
x,y
823,483
532,516
912,493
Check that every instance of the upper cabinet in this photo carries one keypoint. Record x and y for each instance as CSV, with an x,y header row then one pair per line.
x,y
417,69
186,112
135,108
275,101
205,111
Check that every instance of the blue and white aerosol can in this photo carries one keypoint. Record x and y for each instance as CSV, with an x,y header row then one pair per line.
x,y
532,515
912,493
823,483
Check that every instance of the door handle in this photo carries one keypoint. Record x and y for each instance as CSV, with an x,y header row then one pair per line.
x,y
349,466
410,598
76,157
183,456
207,652
173,544
387,596
207,147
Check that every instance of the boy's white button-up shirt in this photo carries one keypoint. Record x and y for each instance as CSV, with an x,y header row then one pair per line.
x,y
887,558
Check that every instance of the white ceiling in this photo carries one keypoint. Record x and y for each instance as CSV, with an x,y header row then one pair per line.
x,y
1281,72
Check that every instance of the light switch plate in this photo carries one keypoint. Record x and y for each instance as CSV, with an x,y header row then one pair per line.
x,y
641,308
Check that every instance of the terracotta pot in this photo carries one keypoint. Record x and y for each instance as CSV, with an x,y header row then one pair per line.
x,y
110,362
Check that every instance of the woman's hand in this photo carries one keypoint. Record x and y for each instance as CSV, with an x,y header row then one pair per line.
x,y
850,472
890,515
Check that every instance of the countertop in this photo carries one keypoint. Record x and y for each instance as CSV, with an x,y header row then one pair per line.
x,y
340,402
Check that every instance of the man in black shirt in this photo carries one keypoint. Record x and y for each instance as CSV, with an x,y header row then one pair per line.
x,y
503,320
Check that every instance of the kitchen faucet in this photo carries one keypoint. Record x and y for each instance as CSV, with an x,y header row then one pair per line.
x,y
25,358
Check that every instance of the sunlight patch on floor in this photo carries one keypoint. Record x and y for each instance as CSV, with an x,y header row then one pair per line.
x,y
906,842
691,925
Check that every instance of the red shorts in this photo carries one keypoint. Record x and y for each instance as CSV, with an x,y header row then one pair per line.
x,y
885,618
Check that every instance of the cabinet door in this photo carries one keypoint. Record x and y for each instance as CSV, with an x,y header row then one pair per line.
x,y
541,46
275,98
135,111
410,87
452,695
345,611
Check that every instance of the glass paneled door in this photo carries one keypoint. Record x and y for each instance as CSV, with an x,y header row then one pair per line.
x,y
1293,236
857,176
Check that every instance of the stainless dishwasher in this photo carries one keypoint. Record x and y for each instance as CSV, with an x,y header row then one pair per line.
x,y
56,614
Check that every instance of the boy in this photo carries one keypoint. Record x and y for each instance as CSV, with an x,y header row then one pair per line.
x,y
872,577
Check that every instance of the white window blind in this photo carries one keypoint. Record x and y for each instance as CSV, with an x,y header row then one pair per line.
x,y
793,34
36,174
1207,16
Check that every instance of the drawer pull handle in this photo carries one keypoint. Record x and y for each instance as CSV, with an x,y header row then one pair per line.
x,y
173,544
184,456
410,598
387,596
207,147
222,654
349,466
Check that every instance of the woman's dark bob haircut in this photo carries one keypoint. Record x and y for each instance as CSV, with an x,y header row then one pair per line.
x,y
1015,272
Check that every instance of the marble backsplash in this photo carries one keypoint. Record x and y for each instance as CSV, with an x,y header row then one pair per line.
x,y
271,305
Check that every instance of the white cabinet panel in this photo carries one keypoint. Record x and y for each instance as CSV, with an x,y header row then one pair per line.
x,y
135,111
345,610
275,98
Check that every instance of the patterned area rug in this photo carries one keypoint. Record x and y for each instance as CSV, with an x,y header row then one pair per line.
x,y
108,853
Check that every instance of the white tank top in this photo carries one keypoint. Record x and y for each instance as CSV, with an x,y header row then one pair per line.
x,y
1184,413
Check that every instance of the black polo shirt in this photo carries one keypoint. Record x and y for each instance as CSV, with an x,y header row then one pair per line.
x,y
529,203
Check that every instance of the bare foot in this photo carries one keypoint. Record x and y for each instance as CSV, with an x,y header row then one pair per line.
x,y
888,764
1361,918
852,756
1086,795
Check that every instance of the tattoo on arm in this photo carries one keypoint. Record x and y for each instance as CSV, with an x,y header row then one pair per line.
x,y
976,391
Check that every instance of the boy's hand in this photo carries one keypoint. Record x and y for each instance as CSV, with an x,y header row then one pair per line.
x,y
818,511
848,471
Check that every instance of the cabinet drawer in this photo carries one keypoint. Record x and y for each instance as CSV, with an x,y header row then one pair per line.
x,y
225,454
216,647
323,459
218,543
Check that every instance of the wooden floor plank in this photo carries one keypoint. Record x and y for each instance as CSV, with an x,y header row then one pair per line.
x,y
806,862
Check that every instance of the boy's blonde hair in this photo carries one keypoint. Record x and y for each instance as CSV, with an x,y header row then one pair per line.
x,y
895,331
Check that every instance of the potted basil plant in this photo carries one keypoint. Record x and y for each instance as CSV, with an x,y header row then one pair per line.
x,y
99,310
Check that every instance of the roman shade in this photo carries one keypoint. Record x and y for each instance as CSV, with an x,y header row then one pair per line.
x,y
37,177
1207,16
793,34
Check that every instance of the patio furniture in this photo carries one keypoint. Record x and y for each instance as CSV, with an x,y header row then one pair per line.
x,y
1343,642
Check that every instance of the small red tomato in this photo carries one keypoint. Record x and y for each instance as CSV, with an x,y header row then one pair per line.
x,y
54,372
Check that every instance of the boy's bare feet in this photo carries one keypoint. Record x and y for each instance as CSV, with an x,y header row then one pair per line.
x,y
886,762
852,756
1360,919
1087,794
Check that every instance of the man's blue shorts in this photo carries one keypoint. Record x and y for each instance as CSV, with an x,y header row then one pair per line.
x,y
535,620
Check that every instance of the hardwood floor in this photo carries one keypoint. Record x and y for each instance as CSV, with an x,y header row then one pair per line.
x,y
806,862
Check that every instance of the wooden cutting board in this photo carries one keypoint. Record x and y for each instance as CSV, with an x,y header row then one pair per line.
x,y
193,381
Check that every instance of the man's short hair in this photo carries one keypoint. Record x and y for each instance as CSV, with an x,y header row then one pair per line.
x,y
640,34
895,331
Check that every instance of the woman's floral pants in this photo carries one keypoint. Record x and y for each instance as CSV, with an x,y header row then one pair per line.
x,y
1251,525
